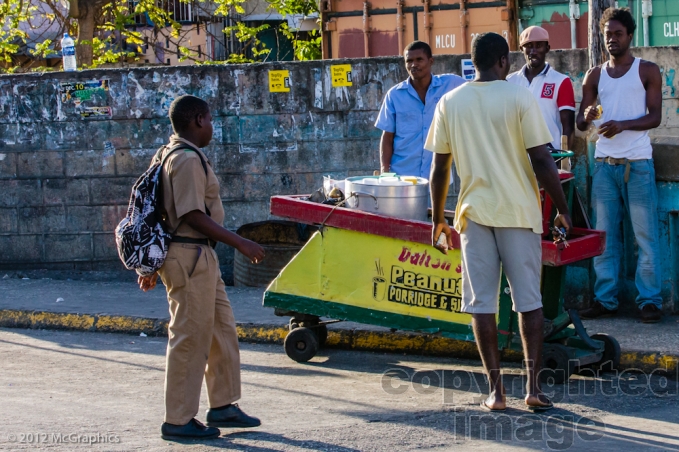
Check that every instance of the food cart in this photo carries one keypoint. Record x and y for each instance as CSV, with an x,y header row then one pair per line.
x,y
379,270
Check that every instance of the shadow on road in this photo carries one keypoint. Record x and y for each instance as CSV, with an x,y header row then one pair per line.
x,y
618,410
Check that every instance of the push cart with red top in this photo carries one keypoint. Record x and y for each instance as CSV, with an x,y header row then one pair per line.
x,y
379,270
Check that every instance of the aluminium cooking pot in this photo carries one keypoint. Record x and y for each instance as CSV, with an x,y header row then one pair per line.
x,y
391,196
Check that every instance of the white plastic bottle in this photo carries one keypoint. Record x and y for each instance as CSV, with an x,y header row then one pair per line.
x,y
68,53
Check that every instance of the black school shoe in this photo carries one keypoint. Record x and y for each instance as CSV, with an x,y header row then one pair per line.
x,y
192,430
230,416
650,314
597,311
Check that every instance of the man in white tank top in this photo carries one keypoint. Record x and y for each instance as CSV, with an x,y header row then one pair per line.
x,y
629,90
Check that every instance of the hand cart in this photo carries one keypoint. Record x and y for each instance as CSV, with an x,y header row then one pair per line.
x,y
378,270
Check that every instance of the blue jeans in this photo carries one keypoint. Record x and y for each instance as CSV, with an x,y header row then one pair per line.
x,y
639,197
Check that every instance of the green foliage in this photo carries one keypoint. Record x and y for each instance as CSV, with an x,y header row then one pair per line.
x,y
43,49
287,7
12,14
104,52
117,40
305,49
41,69
250,36
224,7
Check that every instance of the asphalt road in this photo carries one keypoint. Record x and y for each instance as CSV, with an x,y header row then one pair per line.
x,y
61,390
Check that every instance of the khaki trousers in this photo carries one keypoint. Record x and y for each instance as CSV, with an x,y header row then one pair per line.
x,y
202,336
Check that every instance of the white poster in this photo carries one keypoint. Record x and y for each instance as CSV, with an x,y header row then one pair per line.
x,y
468,70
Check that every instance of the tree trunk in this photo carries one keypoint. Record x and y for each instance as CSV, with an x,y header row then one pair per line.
x,y
597,49
85,33
85,12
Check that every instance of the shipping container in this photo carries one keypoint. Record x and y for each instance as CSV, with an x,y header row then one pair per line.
x,y
356,28
657,21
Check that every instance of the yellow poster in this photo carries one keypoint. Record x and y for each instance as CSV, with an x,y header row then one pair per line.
x,y
279,81
341,75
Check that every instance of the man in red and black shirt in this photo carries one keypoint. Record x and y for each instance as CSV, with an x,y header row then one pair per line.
x,y
553,90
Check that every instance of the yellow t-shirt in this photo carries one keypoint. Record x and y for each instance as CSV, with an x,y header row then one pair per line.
x,y
488,126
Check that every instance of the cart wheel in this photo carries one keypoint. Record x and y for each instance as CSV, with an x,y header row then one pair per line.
x,y
557,367
611,356
321,333
301,344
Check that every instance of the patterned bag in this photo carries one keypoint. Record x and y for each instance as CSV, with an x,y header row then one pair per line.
x,y
141,237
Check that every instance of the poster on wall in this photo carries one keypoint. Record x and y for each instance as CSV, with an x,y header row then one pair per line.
x,y
96,112
279,81
341,75
87,97
81,91
468,70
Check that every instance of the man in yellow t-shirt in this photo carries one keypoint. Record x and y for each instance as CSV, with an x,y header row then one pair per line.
x,y
495,133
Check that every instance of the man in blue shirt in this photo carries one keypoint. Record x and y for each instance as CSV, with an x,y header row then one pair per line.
x,y
407,112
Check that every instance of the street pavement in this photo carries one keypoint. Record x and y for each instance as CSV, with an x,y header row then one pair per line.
x,y
121,296
58,386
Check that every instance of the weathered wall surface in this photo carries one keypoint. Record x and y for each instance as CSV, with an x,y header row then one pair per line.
x,y
65,179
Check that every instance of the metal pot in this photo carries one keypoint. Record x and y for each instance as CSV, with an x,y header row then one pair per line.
x,y
403,201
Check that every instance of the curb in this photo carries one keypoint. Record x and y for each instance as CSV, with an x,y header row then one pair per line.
x,y
360,340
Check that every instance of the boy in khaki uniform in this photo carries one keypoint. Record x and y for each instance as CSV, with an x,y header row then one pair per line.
x,y
202,332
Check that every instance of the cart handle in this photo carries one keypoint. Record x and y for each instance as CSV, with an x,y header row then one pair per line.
x,y
560,155
580,329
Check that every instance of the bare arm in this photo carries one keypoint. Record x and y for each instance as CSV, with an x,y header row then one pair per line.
x,y
548,177
439,182
207,226
386,151
653,87
590,91
568,125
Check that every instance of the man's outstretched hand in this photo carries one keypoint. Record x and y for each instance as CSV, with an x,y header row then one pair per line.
x,y
147,283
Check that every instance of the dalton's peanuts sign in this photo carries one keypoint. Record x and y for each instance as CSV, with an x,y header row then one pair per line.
x,y
376,273
419,288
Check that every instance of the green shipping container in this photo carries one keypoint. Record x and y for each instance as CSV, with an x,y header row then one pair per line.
x,y
663,25
554,16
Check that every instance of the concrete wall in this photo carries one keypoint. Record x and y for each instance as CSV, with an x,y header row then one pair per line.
x,y
65,179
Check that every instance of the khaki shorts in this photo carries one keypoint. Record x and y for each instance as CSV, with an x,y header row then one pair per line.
x,y
486,251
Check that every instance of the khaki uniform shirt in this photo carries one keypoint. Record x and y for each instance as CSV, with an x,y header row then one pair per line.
x,y
186,188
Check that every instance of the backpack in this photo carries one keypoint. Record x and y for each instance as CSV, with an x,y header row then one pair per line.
x,y
142,237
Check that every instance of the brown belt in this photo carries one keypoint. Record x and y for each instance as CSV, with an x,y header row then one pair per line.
x,y
614,162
